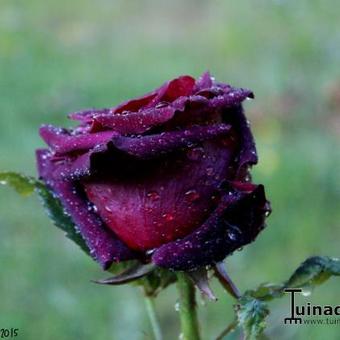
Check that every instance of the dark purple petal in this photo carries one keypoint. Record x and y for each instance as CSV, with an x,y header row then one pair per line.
x,y
61,141
134,122
203,82
85,116
119,148
103,244
205,106
235,222
247,154
147,147
181,86
162,199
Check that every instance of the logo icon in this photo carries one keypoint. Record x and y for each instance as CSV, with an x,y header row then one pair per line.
x,y
292,319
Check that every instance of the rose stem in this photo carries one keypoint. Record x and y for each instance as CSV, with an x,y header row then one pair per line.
x,y
187,307
150,308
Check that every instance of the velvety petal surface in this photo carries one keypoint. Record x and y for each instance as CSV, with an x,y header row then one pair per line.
x,y
119,150
236,222
61,141
155,202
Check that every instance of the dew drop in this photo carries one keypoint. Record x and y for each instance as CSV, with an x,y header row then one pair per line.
x,y
153,195
210,171
108,208
192,195
161,104
195,154
306,292
177,306
168,217
150,252
233,233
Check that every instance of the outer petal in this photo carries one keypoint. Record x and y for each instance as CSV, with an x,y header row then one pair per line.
x,y
236,222
134,122
104,246
247,155
61,141
156,145
204,81
150,203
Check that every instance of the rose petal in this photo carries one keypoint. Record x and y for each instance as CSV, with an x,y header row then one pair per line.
x,y
85,116
134,122
181,86
163,199
247,154
203,82
104,246
236,222
62,142
147,147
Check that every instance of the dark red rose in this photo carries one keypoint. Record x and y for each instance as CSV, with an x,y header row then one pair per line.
x,y
164,177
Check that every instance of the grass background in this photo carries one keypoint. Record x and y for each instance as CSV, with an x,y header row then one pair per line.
x,y
61,56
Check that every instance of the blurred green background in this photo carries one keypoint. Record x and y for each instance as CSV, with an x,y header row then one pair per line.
x,y
61,56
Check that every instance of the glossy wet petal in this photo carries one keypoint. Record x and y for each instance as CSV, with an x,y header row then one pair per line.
x,y
236,222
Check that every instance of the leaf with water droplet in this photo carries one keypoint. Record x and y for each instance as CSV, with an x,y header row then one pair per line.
x,y
23,185
314,271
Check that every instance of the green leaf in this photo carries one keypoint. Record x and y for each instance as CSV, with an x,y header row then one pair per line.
x,y
21,184
26,185
267,291
314,271
57,214
251,315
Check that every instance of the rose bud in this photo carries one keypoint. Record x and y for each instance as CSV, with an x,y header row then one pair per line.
x,y
163,178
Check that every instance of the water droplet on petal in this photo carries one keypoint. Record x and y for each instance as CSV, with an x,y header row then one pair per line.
x,y
195,154
210,171
192,195
153,195
233,232
168,217
161,104
108,208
